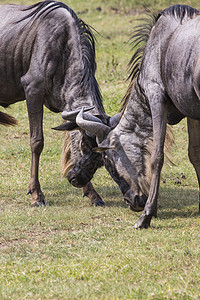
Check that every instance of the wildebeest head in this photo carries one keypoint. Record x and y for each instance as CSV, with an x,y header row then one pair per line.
x,y
83,169
114,152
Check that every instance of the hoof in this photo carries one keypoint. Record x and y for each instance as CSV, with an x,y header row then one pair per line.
x,y
143,222
39,203
99,202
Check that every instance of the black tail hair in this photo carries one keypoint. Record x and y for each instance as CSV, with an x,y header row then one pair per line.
x,y
7,120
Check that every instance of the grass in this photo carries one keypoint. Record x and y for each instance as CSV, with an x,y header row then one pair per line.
x,y
70,250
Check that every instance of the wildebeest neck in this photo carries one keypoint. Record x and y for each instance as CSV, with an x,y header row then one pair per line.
x,y
135,138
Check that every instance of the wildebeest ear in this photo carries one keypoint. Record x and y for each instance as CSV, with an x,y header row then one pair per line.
x,y
67,126
113,121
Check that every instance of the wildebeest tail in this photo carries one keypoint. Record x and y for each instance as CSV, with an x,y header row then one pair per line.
x,y
7,120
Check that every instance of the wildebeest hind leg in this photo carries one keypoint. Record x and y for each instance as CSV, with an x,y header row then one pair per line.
x,y
194,147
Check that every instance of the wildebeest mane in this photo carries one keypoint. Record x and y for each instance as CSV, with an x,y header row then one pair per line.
x,y
141,35
87,40
138,41
180,12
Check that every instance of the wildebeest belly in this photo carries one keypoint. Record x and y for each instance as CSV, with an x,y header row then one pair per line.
x,y
10,92
179,68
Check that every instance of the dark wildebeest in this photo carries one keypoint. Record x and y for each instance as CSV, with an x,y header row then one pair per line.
x,y
165,87
47,56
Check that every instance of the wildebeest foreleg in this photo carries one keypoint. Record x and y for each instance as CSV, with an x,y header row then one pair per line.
x,y
36,143
34,100
194,147
159,118
89,191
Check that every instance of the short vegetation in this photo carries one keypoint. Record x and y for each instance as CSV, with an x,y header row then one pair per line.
x,y
71,250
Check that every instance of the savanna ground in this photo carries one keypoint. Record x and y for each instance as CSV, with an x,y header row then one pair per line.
x,y
70,250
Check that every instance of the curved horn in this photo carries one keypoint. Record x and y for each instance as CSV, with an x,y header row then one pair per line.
x,y
66,126
71,115
113,121
92,124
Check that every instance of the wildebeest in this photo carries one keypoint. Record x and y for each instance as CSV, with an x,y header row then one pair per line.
x,y
165,87
47,56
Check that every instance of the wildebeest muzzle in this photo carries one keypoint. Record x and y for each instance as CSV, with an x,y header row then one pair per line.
x,y
135,202
84,170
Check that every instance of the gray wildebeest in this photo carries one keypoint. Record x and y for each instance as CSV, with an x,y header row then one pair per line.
x,y
47,56
164,88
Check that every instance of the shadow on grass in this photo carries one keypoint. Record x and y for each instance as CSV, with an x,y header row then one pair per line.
x,y
172,202
62,195
178,202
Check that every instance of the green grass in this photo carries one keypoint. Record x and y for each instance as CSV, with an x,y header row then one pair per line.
x,y
70,250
